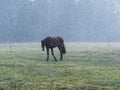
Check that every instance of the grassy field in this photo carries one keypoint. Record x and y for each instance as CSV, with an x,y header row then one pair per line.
x,y
86,66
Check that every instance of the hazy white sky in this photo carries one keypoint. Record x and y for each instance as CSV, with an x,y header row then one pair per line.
x,y
75,20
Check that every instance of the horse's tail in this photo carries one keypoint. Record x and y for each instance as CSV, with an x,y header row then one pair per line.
x,y
63,49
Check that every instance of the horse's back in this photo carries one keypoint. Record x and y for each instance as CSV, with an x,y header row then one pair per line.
x,y
49,38
54,41
60,39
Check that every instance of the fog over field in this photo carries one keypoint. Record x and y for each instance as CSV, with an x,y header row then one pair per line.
x,y
91,30
74,20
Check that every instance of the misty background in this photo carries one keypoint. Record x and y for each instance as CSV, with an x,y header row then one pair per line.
x,y
74,20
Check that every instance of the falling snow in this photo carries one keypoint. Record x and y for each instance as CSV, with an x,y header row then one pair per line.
x,y
117,7
31,0
74,20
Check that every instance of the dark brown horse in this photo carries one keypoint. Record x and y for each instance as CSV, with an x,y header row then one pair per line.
x,y
52,42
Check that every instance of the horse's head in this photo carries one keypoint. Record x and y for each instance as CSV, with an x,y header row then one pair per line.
x,y
43,44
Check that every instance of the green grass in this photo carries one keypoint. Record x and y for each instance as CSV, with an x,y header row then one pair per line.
x,y
86,66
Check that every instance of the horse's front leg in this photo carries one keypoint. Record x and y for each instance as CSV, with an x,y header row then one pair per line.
x,y
53,54
47,54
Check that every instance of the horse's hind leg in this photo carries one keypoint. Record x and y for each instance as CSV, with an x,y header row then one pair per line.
x,y
61,55
53,54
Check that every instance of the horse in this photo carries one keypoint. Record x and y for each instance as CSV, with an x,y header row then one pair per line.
x,y
52,42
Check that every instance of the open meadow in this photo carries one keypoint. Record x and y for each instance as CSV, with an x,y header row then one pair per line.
x,y
85,66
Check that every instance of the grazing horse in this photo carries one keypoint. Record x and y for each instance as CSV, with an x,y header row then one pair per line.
x,y
52,42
